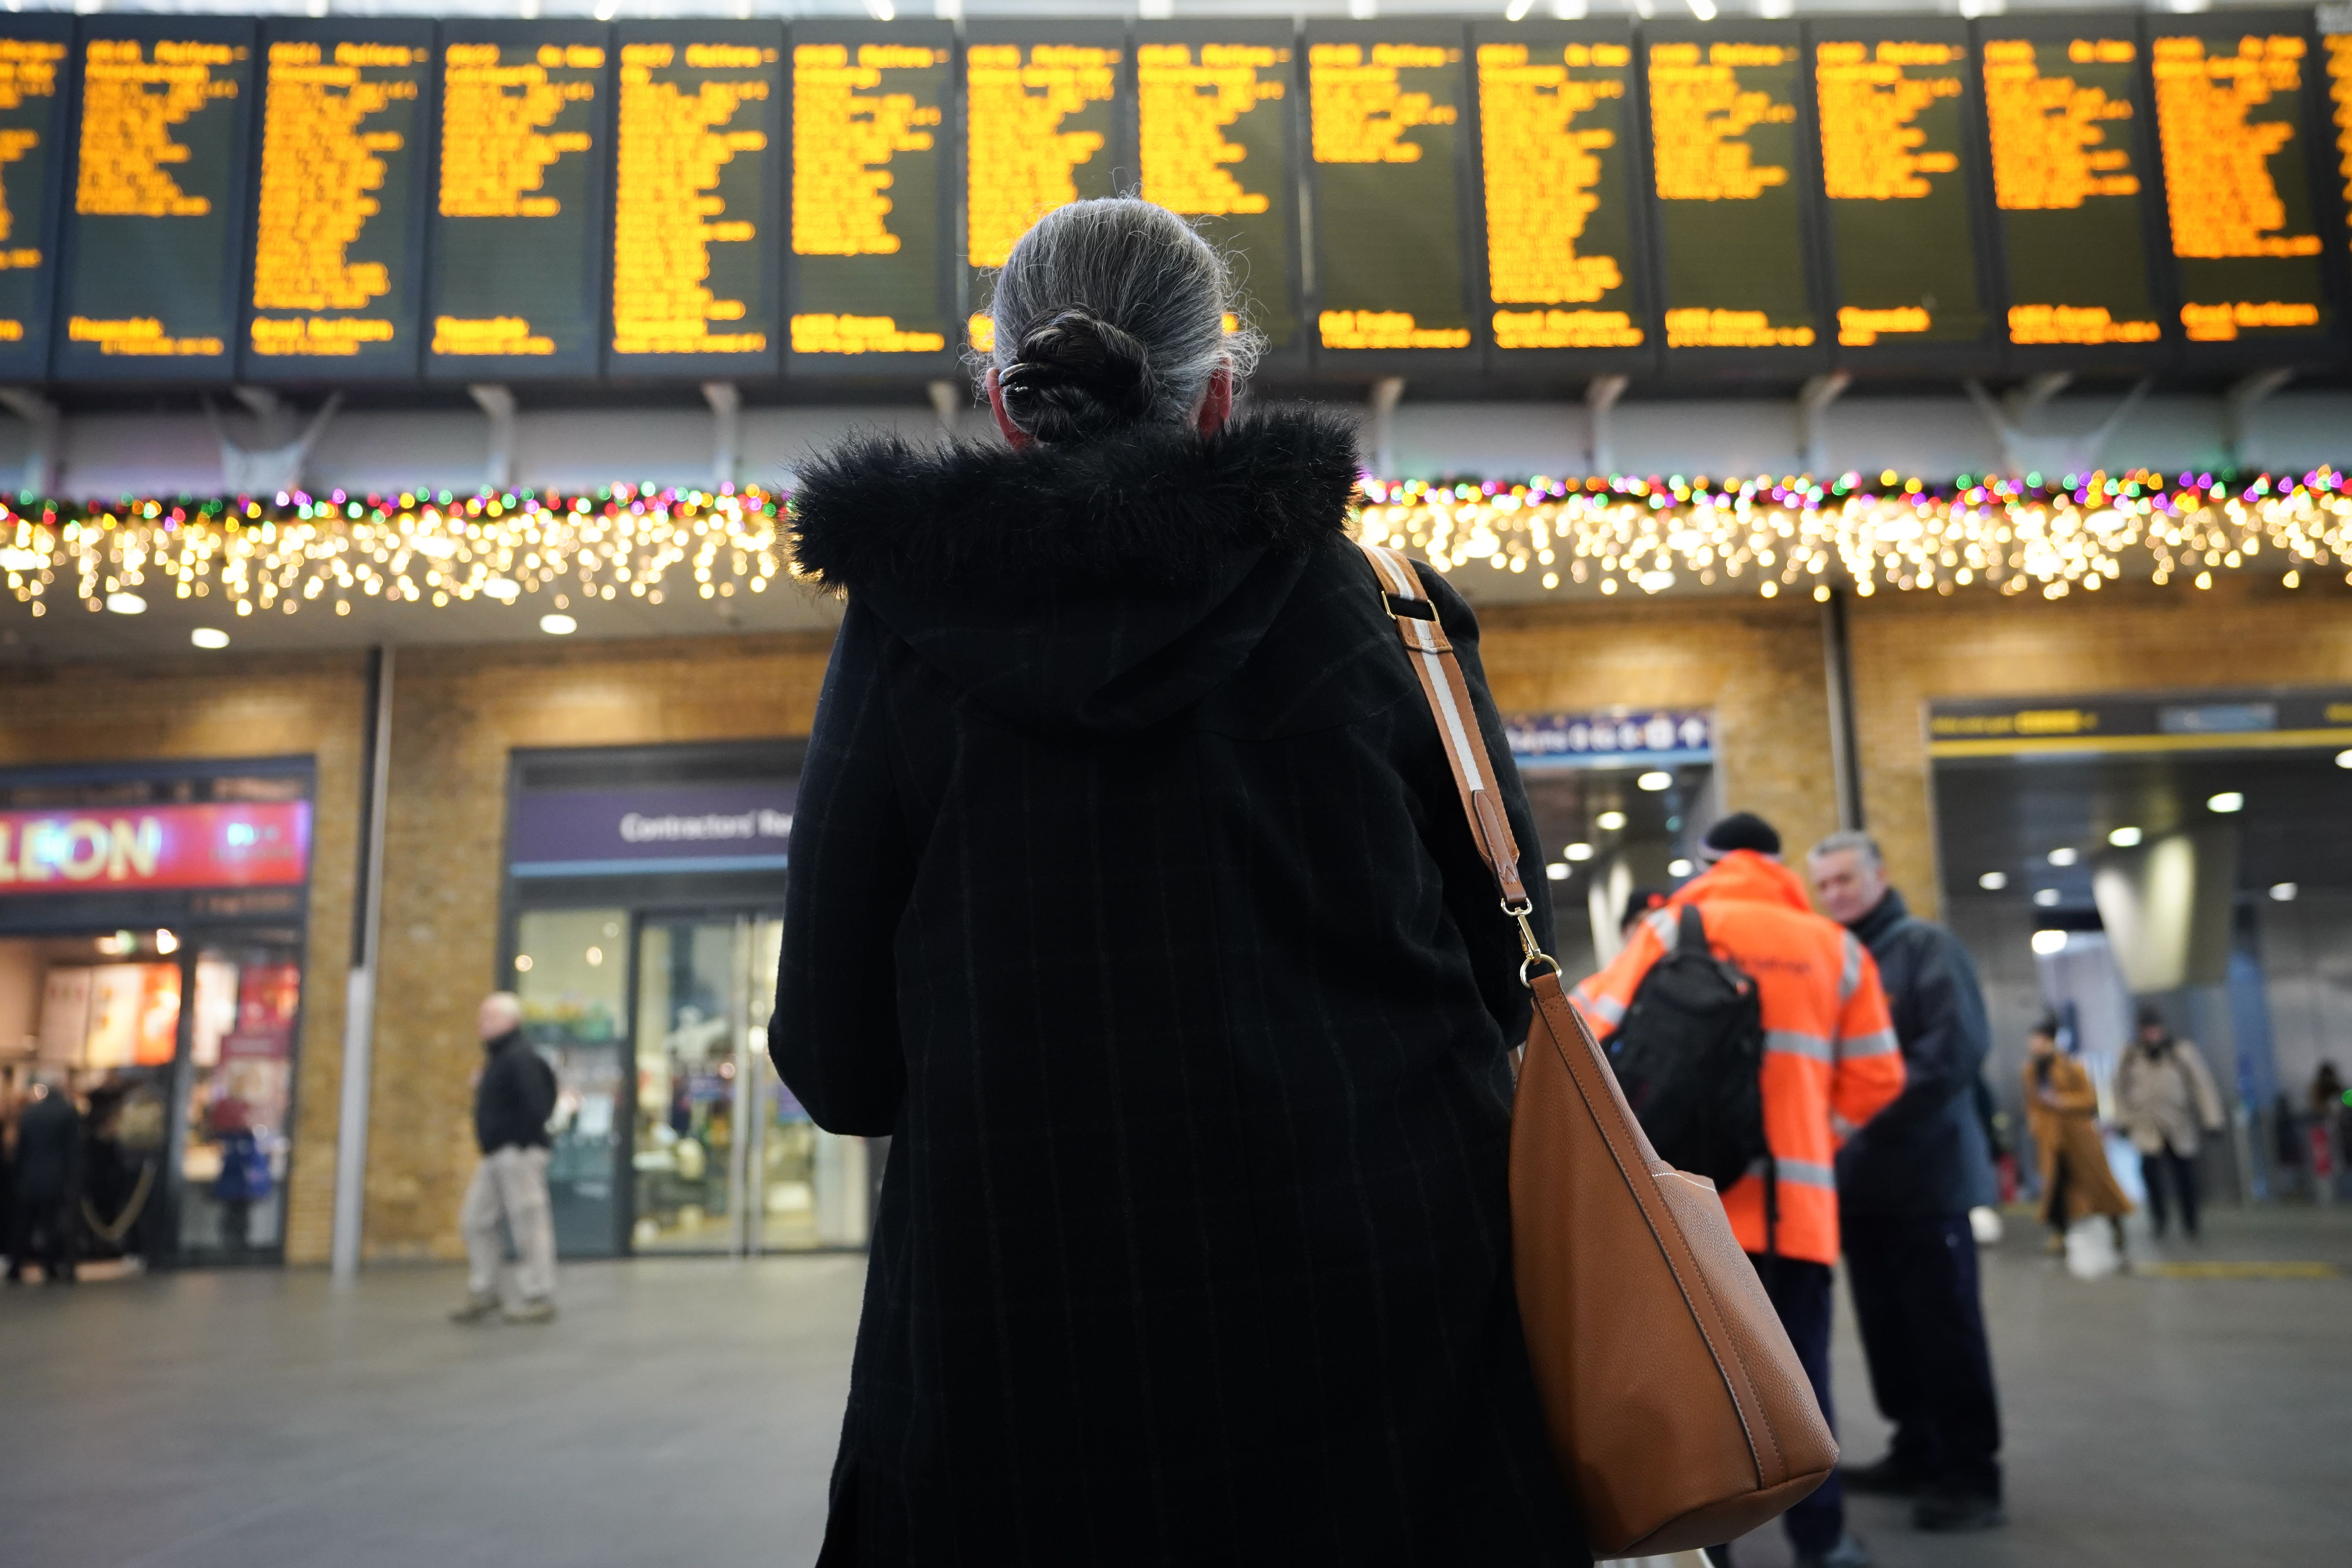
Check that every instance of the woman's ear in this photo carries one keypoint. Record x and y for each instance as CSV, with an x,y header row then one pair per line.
x,y
1017,439
1217,400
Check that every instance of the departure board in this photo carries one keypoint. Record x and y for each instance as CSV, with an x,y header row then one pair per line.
x,y
1044,124
338,257
1727,149
1389,159
154,244
1900,164
1216,141
2063,101
870,282
517,275
698,155
1557,135
2338,48
34,135
2232,124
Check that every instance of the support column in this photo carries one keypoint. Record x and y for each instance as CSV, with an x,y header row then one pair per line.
x,y
41,463
1601,395
1813,402
1387,392
358,997
726,402
498,403
1845,754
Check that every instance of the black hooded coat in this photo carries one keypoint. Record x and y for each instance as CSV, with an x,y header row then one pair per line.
x,y
1130,894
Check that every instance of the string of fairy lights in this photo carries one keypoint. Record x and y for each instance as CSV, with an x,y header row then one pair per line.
x,y
1642,536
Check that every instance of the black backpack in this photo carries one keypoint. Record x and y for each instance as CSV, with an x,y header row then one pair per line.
x,y
1690,1057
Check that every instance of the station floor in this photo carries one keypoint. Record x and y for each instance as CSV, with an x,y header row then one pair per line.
x,y
2197,1412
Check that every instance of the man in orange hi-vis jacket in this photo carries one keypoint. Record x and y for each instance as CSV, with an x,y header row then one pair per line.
x,y
1830,1065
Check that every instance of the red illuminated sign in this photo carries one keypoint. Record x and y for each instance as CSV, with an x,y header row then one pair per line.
x,y
244,845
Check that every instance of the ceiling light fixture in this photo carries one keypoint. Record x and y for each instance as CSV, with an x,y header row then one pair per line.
x,y
2063,856
1993,881
2228,802
2125,839
1579,851
209,636
1555,871
1517,11
1655,781
1678,867
2343,759
2045,898
2285,892
558,625
126,604
1609,821
2049,942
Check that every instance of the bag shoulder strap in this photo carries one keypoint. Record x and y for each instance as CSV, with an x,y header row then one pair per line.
x,y
1431,654
1694,931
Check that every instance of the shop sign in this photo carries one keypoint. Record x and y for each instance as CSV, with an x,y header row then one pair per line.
x,y
235,845
652,830
1633,738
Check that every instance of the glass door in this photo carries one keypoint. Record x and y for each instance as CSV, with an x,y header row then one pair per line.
x,y
572,975
725,1160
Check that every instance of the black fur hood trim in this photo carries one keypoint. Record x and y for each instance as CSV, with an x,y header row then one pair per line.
x,y
1153,507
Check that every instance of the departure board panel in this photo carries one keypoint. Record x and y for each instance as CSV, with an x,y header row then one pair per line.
x,y
1216,141
1044,124
870,282
1900,162
1388,151
698,157
2338,118
1727,149
34,137
1557,135
154,244
2062,105
338,254
518,251
2232,124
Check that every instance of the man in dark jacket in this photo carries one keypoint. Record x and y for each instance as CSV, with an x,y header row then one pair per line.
x,y
1905,1183
43,1224
43,1216
513,1099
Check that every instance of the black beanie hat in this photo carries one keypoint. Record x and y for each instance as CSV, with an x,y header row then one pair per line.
x,y
1743,830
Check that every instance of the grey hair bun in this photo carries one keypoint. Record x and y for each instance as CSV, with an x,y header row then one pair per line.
x,y
1074,376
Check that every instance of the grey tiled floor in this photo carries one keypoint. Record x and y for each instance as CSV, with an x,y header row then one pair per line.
x,y
684,1412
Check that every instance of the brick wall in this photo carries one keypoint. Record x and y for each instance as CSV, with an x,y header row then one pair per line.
x,y
1909,649
1757,664
457,715
236,705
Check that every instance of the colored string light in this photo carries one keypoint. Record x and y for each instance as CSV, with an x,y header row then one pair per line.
x,y
1644,535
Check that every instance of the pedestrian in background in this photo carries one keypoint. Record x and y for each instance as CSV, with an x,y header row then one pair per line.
x,y
513,1099
1831,1064
2164,1099
1906,1180
2061,1112
45,1226
1131,893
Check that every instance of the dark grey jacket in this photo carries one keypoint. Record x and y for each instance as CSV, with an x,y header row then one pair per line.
x,y
49,1149
1925,1154
515,1097
1131,895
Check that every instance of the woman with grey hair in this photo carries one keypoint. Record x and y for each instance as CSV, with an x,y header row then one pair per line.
x,y
1131,897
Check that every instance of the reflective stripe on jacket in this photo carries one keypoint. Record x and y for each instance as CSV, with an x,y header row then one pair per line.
x,y
1830,1056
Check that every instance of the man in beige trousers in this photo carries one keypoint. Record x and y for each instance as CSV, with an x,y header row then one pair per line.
x,y
512,1101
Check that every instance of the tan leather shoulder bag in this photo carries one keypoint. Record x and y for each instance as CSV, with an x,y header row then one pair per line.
x,y
1679,1413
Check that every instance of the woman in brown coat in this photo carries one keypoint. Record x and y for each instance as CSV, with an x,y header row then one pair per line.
x,y
2061,1112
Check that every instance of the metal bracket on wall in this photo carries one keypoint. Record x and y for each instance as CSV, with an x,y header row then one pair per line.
x,y
1387,392
43,459
2024,452
726,400
276,464
947,402
1601,395
499,403
1813,400
2238,405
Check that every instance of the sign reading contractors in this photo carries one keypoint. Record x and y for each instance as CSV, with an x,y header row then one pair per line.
x,y
243,844
651,830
